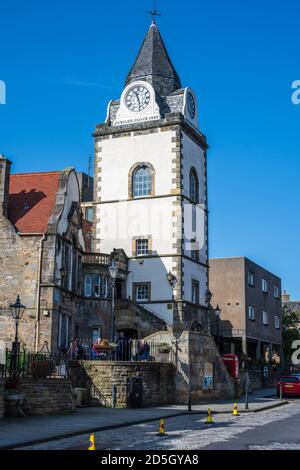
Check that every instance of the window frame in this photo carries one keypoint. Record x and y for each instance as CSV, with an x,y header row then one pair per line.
x,y
252,315
251,278
85,285
131,174
194,197
136,286
89,210
96,285
98,328
195,284
277,322
265,318
141,241
276,291
265,286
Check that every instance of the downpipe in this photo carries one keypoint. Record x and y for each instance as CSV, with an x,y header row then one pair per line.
x,y
38,299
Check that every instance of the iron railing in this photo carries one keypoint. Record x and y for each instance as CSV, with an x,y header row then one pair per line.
x,y
124,351
31,365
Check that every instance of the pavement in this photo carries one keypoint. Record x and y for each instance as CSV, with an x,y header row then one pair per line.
x,y
29,431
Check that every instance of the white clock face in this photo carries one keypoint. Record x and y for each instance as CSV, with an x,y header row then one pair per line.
x,y
137,98
191,105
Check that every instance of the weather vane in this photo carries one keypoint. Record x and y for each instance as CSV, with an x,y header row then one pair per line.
x,y
154,13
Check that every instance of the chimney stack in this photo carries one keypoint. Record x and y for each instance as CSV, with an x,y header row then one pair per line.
x,y
286,297
4,184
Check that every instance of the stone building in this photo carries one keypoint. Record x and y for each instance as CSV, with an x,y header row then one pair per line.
x,y
42,251
251,309
46,258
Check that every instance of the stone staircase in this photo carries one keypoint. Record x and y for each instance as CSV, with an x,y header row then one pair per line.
x,y
133,316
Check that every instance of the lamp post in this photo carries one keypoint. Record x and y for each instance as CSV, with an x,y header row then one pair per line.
x,y
113,271
218,314
17,310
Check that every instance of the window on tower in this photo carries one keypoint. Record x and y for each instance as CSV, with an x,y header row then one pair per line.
x,y
194,186
142,182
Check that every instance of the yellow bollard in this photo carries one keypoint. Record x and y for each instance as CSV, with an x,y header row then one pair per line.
x,y
162,428
235,410
209,419
92,443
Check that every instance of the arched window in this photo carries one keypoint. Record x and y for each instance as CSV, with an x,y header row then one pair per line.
x,y
142,184
194,186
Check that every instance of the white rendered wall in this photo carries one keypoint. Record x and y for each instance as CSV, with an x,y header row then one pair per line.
x,y
155,271
121,222
120,154
122,219
194,271
194,157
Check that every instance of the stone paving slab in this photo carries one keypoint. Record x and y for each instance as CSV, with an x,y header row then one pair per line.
x,y
30,430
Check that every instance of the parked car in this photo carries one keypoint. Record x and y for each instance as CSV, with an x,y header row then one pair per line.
x,y
290,385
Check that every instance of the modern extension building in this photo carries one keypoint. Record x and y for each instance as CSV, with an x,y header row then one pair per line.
x,y
251,309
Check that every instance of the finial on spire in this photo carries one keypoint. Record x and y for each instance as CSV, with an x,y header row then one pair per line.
x,y
154,13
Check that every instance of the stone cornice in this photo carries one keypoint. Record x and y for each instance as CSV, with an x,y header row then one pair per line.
x,y
172,119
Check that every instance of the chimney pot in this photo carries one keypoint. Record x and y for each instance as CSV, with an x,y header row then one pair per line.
x,y
5,165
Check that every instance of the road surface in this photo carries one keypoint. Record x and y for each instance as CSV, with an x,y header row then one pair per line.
x,y
273,429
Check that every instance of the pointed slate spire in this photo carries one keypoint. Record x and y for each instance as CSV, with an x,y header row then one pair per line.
x,y
154,65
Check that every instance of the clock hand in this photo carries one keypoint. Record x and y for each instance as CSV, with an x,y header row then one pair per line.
x,y
138,98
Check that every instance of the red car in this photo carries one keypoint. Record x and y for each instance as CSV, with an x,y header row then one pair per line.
x,y
290,385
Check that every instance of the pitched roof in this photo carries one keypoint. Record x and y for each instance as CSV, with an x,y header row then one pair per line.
x,y
154,65
31,200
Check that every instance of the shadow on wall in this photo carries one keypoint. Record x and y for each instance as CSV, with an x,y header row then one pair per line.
x,y
156,274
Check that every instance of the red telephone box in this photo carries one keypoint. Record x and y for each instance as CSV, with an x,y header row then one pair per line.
x,y
232,363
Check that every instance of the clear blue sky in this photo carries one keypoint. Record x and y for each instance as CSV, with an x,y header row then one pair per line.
x,y
64,60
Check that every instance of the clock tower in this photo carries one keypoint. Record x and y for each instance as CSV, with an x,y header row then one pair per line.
x,y
151,189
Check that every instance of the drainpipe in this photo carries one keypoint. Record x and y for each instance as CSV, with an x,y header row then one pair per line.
x,y
38,299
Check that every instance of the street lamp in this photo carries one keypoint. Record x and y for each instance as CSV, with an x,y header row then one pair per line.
x,y
172,280
17,310
113,271
208,297
218,314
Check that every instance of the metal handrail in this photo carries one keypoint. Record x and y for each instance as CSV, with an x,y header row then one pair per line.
x,y
94,392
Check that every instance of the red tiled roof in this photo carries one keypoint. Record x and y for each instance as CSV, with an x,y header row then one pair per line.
x,y
31,200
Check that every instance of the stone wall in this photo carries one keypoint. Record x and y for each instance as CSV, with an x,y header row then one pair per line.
x,y
1,398
158,380
206,365
19,257
47,397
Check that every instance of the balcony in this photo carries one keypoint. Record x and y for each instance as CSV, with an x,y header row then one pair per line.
x,y
98,259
